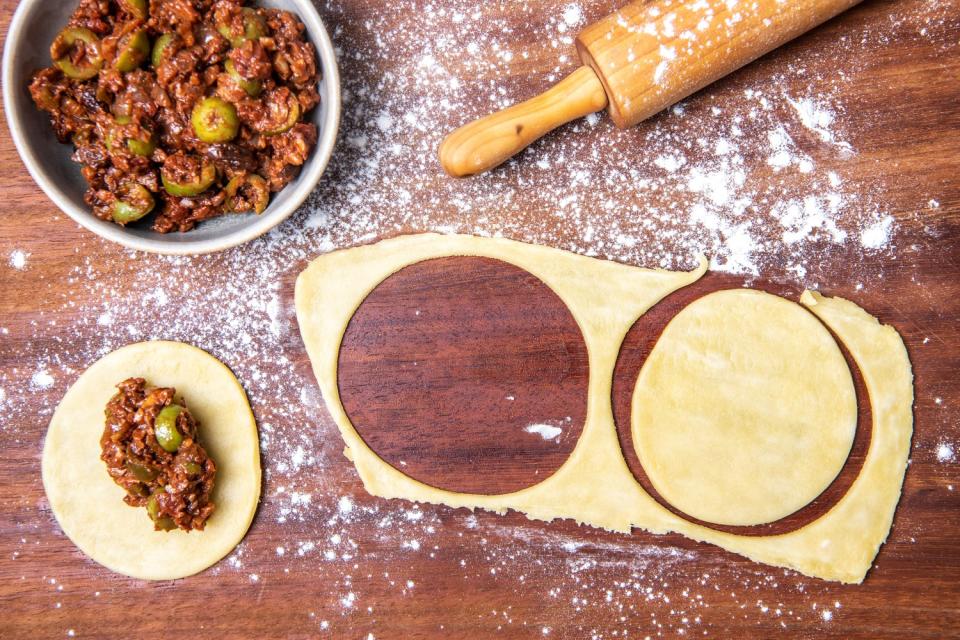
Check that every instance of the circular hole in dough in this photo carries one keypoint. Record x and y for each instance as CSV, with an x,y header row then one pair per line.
x,y
745,409
467,374
89,505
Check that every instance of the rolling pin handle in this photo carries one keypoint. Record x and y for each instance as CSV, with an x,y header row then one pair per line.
x,y
489,141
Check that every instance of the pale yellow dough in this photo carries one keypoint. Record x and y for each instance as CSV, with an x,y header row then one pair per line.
x,y
594,485
89,505
745,410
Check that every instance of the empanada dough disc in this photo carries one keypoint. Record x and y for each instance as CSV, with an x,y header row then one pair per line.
x,y
745,410
89,505
594,486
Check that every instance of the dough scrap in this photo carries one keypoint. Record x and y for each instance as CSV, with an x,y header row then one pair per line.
x,y
745,410
89,506
594,485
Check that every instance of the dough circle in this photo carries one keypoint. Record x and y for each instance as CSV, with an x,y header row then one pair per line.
x,y
745,410
89,505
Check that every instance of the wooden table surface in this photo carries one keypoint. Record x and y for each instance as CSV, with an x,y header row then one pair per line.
x,y
875,181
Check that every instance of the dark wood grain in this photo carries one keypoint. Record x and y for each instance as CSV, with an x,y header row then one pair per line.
x,y
485,575
447,362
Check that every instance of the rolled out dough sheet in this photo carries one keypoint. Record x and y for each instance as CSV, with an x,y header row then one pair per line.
x,y
89,505
594,486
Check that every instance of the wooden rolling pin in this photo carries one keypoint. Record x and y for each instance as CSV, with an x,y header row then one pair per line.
x,y
636,62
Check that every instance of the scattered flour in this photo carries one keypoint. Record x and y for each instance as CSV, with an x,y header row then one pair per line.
x,y
573,15
18,259
945,452
545,431
877,235
819,119
41,380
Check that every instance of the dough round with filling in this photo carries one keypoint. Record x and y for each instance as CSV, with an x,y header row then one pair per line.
x,y
89,505
745,410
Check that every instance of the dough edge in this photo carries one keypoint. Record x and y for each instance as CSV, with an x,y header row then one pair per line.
x,y
594,485
121,537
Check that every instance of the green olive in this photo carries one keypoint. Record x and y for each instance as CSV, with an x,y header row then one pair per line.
x,y
153,507
165,524
141,472
132,203
215,120
254,27
121,109
206,175
144,145
252,87
283,114
160,48
136,8
192,468
76,52
165,428
132,50
245,192
141,147
140,490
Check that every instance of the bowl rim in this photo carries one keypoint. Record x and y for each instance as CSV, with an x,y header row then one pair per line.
x,y
320,38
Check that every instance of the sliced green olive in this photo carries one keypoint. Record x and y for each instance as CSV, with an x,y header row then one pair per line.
x,y
254,27
140,490
141,472
165,428
136,8
192,468
160,48
185,189
245,192
215,120
76,52
132,203
153,507
164,523
141,147
252,87
283,114
132,50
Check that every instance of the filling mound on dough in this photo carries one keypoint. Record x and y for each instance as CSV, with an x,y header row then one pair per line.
x,y
150,446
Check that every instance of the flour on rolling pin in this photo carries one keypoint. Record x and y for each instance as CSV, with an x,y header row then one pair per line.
x,y
638,61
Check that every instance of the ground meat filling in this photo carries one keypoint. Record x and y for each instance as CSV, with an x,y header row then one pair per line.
x,y
173,106
150,446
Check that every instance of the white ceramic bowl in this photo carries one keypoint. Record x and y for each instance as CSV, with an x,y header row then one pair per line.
x,y
33,28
